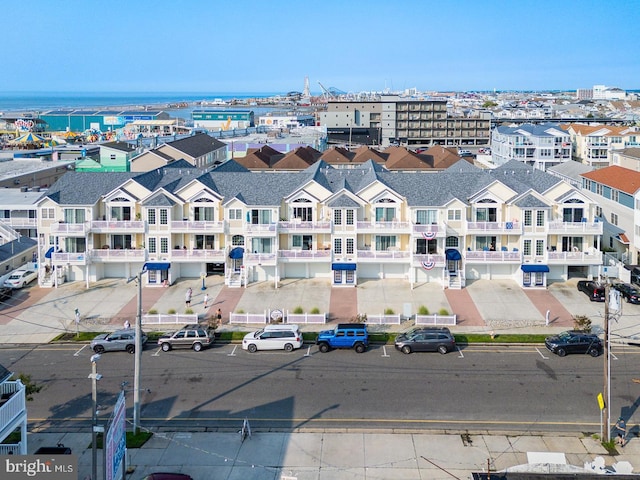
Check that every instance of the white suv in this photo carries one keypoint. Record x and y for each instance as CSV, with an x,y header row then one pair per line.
x,y
273,337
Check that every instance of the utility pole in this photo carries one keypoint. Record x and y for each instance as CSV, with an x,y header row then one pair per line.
x,y
138,359
606,412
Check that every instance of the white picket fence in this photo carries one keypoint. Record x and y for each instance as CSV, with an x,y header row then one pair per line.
x,y
168,318
436,319
313,318
384,319
245,318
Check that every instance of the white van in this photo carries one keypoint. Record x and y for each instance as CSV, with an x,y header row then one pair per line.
x,y
273,337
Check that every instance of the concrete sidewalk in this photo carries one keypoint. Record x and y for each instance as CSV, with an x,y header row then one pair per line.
x,y
336,455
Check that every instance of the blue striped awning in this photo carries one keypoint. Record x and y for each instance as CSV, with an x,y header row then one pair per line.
x,y
536,267
156,266
343,266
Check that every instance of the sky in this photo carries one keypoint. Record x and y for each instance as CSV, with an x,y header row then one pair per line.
x,y
353,45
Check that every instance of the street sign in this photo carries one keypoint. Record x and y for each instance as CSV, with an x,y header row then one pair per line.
x,y
601,401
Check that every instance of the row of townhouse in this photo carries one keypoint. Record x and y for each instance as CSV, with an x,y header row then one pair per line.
x,y
541,146
595,145
322,222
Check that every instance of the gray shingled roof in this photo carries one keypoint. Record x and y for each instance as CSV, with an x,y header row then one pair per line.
x,y
159,199
197,145
530,201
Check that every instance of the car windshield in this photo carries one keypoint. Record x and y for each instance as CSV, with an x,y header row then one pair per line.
x,y
564,336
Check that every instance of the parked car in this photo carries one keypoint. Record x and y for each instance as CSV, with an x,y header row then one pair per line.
x,y
574,342
593,290
273,337
627,291
345,335
20,278
168,476
426,339
120,340
5,293
189,336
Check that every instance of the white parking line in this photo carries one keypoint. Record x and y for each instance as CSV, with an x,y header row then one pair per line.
x,y
157,352
233,353
78,352
308,354
460,352
538,350
384,349
612,355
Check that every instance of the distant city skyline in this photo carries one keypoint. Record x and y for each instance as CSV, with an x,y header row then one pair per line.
x,y
257,46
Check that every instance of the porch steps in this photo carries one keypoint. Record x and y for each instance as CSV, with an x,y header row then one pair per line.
x,y
234,280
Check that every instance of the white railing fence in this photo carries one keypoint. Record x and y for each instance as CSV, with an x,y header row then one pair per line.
x,y
384,319
245,318
169,318
436,319
313,318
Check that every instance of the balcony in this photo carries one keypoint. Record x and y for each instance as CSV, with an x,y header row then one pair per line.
x,y
196,226
390,255
384,227
13,409
428,231
430,260
69,229
260,259
260,229
484,256
304,227
212,256
508,228
108,255
113,226
574,258
300,256
21,222
574,228
77,258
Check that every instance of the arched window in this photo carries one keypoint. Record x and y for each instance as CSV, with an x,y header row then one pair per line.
x,y
237,240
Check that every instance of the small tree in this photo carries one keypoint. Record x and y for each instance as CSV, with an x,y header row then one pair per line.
x,y
29,387
389,311
582,323
171,311
443,311
298,310
314,311
423,310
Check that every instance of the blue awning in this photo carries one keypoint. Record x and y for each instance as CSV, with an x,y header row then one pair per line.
x,y
536,267
49,252
452,254
156,266
237,252
343,266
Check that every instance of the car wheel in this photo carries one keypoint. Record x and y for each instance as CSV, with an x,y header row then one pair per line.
x,y
406,349
130,349
197,347
443,349
359,348
166,346
323,347
98,349
288,347
23,284
252,348
594,352
561,352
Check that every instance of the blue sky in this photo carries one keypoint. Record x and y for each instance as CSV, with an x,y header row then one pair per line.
x,y
353,45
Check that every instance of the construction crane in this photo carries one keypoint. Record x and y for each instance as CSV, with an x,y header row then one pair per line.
x,y
325,93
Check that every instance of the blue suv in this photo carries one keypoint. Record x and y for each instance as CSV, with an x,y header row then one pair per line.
x,y
345,335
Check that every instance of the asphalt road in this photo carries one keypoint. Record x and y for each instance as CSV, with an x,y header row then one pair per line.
x,y
516,388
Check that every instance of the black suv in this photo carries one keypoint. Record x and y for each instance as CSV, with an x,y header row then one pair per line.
x,y
630,293
574,342
426,339
593,290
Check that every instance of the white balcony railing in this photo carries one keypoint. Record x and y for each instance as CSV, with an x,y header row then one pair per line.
x,y
22,222
585,258
428,230
383,226
79,258
198,255
260,258
117,255
428,260
304,255
108,226
262,228
558,226
13,403
294,226
484,256
494,227
69,229
196,226
364,255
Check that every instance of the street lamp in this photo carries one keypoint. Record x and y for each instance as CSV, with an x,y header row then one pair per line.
x,y
95,376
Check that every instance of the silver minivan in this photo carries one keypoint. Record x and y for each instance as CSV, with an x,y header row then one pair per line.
x,y
273,337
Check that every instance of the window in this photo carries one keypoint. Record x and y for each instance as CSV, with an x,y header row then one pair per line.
x,y
204,214
260,217
526,250
451,242
152,245
350,217
385,214
205,242
237,240
303,213
337,246
615,195
454,215
261,245
49,213
337,217
121,213
540,218
426,217
151,217
599,188
486,243
350,244
384,242
235,214
164,245
164,216
120,242
527,218
74,215
539,247
598,211
614,219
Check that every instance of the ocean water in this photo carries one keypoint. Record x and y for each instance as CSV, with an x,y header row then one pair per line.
x,y
42,101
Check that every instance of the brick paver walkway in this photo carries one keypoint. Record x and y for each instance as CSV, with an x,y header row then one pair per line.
x,y
462,305
544,300
343,305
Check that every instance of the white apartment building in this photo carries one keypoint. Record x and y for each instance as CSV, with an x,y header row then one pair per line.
x,y
540,146
365,222
594,145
